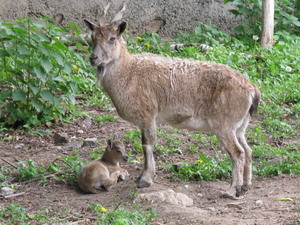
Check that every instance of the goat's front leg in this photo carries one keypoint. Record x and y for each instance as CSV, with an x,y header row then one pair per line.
x,y
148,141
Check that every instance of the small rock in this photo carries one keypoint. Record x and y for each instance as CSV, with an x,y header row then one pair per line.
x,y
80,131
200,195
74,145
48,124
186,186
7,191
19,146
60,138
259,202
211,209
137,167
90,142
86,123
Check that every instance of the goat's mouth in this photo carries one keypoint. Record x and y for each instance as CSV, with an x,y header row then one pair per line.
x,y
100,67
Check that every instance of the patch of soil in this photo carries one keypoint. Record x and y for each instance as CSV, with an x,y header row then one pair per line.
x,y
258,206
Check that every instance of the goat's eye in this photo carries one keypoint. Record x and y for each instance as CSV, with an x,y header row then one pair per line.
x,y
112,39
119,152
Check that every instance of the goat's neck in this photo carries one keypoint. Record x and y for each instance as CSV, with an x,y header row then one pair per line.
x,y
107,158
115,68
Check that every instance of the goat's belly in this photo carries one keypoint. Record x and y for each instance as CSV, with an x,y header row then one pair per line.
x,y
182,121
193,124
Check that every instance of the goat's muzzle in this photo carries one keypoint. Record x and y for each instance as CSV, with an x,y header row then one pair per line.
x,y
94,60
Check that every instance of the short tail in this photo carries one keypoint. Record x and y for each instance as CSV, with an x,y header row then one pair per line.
x,y
255,101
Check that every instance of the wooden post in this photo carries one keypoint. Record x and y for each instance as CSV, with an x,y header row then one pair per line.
x,y
267,24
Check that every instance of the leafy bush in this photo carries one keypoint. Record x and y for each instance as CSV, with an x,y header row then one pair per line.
x,y
40,74
251,10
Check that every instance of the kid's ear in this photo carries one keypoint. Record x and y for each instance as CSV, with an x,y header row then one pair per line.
x,y
109,143
122,28
89,24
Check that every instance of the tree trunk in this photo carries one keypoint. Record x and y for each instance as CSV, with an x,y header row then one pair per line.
x,y
267,24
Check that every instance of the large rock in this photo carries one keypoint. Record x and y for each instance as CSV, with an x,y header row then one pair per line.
x,y
166,196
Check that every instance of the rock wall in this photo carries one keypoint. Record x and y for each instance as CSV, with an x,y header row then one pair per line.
x,y
168,17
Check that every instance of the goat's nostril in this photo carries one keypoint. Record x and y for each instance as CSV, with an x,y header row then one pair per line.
x,y
93,57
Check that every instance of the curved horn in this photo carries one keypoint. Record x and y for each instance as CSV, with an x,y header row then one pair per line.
x,y
103,15
119,14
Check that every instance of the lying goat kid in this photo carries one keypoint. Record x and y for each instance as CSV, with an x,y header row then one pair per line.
x,y
103,173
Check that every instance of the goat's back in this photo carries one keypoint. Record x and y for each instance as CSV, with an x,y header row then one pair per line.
x,y
173,90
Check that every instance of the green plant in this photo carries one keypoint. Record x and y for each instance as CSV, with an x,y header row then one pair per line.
x,y
40,74
110,118
271,161
278,128
205,168
27,170
120,215
16,214
205,34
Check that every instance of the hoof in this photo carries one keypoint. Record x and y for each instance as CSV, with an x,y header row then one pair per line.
x,y
229,196
141,183
244,189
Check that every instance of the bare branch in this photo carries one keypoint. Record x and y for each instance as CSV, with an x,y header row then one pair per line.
x,y
13,165
103,15
119,14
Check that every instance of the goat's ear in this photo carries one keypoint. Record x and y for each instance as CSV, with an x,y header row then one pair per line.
x,y
122,28
89,24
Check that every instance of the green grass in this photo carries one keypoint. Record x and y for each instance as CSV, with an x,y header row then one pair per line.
x,y
120,215
16,214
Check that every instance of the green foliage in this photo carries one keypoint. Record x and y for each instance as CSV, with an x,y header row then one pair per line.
x,y
271,161
120,216
205,168
251,10
16,214
65,169
204,34
27,170
40,74
105,118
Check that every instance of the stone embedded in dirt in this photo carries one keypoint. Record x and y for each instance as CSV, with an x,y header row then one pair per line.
x,y
90,142
7,191
74,145
165,196
80,131
259,202
60,138
19,146
86,123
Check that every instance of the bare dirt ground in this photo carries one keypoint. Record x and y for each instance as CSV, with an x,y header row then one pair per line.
x,y
259,206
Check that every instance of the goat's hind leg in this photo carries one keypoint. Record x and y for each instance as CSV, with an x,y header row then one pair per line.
x,y
148,141
237,154
248,155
